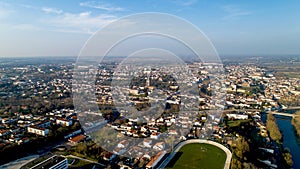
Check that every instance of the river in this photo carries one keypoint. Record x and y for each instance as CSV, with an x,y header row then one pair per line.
x,y
290,140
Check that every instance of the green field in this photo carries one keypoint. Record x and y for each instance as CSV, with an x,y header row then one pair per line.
x,y
237,123
198,156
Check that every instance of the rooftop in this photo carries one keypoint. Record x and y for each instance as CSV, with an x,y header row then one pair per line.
x,y
78,138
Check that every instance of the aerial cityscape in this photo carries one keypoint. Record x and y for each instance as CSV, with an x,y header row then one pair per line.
x,y
146,85
37,115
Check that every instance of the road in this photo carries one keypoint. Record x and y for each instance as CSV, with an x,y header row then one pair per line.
x,y
282,114
177,148
292,108
19,162
83,159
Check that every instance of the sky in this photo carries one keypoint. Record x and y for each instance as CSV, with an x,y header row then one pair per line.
x,y
61,28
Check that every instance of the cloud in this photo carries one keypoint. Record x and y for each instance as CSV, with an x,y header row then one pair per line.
x,y
44,9
52,10
81,22
27,6
5,10
234,12
186,2
28,27
101,5
86,22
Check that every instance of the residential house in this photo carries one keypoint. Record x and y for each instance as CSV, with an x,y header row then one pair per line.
x,y
64,122
77,139
38,130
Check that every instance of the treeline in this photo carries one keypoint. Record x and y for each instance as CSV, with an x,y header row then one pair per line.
x,y
276,135
36,105
240,153
296,123
273,129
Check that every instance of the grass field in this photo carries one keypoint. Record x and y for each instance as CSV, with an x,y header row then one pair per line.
x,y
198,156
236,123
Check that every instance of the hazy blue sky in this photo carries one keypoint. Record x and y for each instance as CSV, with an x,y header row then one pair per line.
x,y
60,28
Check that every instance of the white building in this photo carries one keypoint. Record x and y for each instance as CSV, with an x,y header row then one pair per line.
x,y
38,130
238,116
64,122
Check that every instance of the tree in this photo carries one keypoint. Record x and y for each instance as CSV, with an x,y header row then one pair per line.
x,y
296,123
249,166
76,126
82,148
273,129
242,148
287,158
236,164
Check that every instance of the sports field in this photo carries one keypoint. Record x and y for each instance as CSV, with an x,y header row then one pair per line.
x,y
198,156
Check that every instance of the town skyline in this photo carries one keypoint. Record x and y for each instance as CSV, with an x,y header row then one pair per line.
x,y
152,116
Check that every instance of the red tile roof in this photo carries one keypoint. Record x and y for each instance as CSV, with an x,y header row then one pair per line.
x,y
77,139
